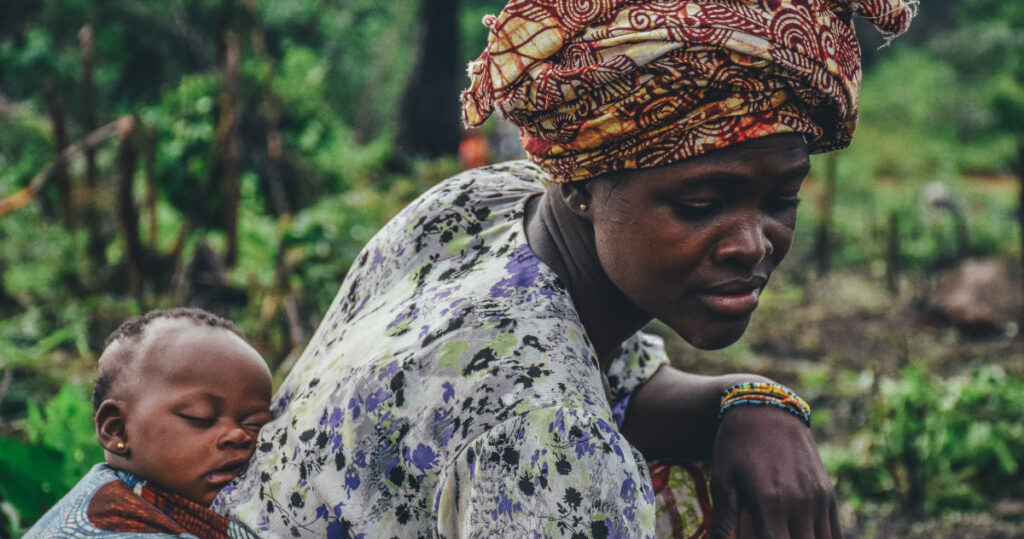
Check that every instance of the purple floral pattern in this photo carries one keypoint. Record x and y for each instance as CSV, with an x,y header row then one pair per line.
x,y
451,391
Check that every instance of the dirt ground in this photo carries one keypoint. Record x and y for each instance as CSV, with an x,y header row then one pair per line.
x,y
847,330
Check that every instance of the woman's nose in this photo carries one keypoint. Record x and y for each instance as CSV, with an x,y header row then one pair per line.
x,y
746,242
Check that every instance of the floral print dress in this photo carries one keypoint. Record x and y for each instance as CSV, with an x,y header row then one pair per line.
x,y
451,391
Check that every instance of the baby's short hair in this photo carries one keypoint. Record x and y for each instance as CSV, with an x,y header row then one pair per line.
x,y
133,329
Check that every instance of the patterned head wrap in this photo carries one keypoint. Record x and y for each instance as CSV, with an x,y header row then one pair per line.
x,y
602,85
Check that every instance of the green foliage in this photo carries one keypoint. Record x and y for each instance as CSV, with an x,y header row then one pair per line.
x,y
36,270
24,149
934,445
61,448
363,50
474,33
184,126
30,478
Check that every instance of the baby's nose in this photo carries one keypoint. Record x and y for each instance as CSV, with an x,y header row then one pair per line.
x,y
236,437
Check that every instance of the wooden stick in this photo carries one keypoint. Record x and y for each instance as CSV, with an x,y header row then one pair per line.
x,y
127,214
1020,217
88,99
25,195
824,239
55,106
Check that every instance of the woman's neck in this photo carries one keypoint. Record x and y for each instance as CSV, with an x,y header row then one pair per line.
x,y
565,242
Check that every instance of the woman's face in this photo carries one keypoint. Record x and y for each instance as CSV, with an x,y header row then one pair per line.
x,y
693,243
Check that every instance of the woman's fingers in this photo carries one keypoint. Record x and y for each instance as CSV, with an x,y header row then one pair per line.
x,y
725,511
768,480
827,523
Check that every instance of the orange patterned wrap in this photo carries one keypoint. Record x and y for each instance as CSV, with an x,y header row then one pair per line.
x,y
597,86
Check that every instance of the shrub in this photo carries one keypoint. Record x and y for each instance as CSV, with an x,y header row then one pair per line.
x,y
933,445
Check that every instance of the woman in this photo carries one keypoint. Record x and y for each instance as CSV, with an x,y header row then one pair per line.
x,y
481,372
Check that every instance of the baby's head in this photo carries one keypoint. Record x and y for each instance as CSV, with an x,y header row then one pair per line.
x,y
179,401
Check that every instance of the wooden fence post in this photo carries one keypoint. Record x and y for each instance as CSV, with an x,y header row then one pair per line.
x,y
89,120
225,163
128,215
1020,218
55,106
892,254
823,239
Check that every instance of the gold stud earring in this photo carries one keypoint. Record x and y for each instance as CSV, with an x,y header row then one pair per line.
x,y
120,445
583,207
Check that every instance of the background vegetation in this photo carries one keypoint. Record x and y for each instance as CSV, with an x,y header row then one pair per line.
x,y
236,154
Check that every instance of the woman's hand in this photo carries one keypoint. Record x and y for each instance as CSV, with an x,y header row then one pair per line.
x,y
767,479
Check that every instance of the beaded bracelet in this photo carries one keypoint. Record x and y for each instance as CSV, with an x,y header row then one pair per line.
x,y
765,394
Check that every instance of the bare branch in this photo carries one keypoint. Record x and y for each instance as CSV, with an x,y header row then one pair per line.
x,y
25,195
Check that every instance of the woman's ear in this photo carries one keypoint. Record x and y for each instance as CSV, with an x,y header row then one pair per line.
x,y
577,197
110,422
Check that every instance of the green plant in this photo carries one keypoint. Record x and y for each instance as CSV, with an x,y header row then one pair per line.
x,y
61,448
933,445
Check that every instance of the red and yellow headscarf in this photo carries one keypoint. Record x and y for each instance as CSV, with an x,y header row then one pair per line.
x,y
597,86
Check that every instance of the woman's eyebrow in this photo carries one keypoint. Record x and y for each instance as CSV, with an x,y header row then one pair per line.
x,y
801,170
711,180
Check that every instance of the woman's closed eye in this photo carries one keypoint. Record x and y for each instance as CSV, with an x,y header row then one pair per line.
x,y
782,204
696,210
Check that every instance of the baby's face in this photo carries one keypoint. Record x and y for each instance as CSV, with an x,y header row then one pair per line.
x,y
198,404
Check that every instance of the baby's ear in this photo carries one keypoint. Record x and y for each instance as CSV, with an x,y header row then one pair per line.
x,y
110,431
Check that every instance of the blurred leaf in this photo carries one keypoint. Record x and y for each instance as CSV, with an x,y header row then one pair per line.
x,y
31,477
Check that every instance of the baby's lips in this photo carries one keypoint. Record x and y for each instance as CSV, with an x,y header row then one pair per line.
x,y
226,473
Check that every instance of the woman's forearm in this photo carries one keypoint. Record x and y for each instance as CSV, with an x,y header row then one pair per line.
x,y
675,414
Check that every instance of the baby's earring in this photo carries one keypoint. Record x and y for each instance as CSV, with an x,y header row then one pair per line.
x,y
120,445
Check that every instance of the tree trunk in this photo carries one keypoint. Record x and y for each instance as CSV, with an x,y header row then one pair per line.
x,y
823,239
149,139
88,100
55,105
127,214
892,256
1020,217
97,243
429,123
225,163
270,162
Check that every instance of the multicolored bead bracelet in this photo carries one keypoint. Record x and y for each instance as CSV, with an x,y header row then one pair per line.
x,y
765,394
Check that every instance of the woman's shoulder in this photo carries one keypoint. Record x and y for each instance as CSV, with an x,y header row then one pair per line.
x,y
509,176
490,187
453,224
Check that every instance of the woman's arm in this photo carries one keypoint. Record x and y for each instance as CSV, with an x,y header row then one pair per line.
x,y
767,479
675,413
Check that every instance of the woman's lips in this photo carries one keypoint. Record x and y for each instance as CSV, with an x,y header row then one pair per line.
x,y
733,303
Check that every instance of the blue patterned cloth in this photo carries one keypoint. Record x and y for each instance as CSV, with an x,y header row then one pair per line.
x,y
116,504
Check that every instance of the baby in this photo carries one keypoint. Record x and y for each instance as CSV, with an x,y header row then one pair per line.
x,y
179,400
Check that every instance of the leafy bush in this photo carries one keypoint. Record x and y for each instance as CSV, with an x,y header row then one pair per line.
x,y
61,448
933,445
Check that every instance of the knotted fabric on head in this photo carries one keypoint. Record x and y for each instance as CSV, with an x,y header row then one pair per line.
x,y
597,86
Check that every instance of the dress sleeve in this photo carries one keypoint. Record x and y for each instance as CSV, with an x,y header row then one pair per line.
x,y
641,356
551,472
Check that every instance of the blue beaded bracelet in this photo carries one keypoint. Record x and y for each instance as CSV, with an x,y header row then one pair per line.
x,y
765,394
